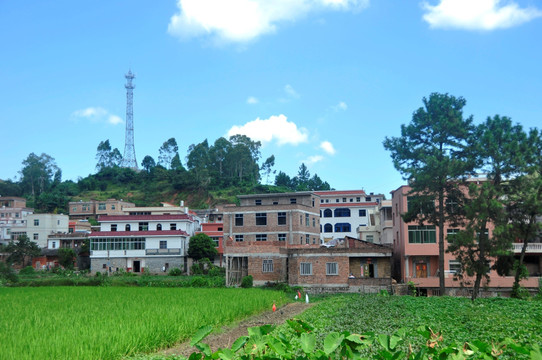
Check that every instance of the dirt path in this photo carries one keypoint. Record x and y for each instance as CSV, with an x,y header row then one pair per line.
x,y
226,337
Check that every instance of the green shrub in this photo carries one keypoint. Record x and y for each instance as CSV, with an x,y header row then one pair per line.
x,y
196,269
217,271
175,272
247,281
411,288
7,273
198,281
29,270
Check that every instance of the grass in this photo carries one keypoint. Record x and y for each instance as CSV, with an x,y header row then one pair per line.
x,y
112,322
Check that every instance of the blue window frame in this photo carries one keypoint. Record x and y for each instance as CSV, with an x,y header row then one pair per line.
x,y
342,212
342,227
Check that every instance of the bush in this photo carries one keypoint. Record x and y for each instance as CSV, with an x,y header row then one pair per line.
x,y
198,281
247,281
196,269
29,270
175,272
7,273
217,271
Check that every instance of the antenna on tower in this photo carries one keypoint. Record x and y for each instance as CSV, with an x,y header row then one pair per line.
x,y
129,158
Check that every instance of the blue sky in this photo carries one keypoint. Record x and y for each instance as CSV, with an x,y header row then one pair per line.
x,y
317,81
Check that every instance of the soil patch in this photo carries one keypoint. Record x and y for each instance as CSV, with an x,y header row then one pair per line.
x,y
228,334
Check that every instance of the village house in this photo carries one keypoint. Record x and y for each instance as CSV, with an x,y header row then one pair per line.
x,y
416,255
13,212
91,209
153,238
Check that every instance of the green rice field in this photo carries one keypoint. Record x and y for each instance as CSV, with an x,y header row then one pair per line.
x,y
112,322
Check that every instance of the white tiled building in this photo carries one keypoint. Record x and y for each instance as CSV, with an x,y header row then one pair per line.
x,y
40,226
342,212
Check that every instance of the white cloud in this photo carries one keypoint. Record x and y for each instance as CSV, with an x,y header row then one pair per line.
x,y
477,14
252,100
275,128
97,114
340,106
246,20
327,147
313,159
290,91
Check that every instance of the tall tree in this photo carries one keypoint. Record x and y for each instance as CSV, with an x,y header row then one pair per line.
x,y
267,167
21,251
524,204
432,155
242,160
217,157
148,163
37,174
167,151
282,179
197,161
497,145
107,157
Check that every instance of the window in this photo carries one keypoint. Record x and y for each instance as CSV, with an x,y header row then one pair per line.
x,y
163,244
36,237
101,206
307,239
367,198
420,205
215,240
321,201
53,245
369,238
258,202
305,268
159,227
328,228
58,222
128,227
362,212
358,199
450,233
351,199
267,266
293,201
337,200
342,227
113,227
219,229
281,218
36,222
239,238
328,213
306,219
421,234
143,226
332,268
344,199
261,237
327,200
261,218
112,207
455,266
342,212
312,202
452,207
238,219
282,237
313,222
74,208
173,226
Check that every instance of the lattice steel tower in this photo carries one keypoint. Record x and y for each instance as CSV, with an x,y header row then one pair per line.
x,y
129,158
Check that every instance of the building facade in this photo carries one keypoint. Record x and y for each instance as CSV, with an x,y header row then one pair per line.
x,y
343,212
137,242
257,232
13,213
416,254
40,226
94,208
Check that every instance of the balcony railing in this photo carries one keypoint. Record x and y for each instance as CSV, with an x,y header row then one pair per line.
x,y
163,251
531,248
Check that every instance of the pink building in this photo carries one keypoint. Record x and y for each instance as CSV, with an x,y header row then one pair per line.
x,y
416,255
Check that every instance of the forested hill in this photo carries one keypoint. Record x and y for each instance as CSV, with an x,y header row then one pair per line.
x,y
213,175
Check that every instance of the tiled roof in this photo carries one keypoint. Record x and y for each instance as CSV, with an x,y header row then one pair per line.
x,y
103,218
138,233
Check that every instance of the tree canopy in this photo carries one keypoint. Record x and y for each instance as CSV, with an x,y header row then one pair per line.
x,y
201,246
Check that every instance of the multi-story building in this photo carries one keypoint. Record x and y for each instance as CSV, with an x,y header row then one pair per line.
x,y
48,258
379,230
142,240
416,254
94,208
13,212
40,226
258,231
342,212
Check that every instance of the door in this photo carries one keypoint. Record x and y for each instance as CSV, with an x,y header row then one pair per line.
x,y
421,270
137,266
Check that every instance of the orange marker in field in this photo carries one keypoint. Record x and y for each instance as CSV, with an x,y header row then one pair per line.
x,y
274,307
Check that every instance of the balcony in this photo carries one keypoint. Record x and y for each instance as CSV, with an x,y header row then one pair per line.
x,y
163,252
531,248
